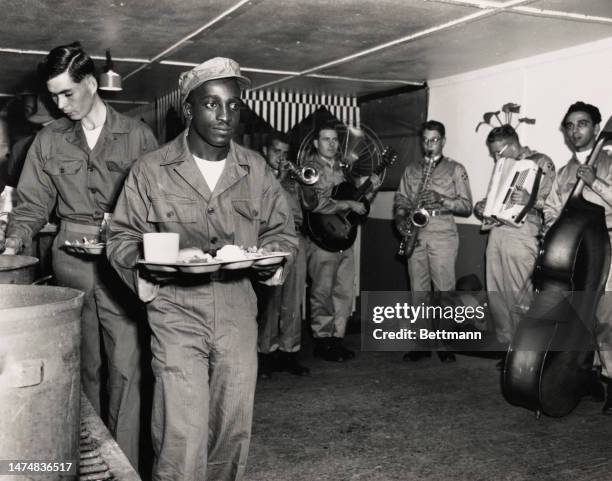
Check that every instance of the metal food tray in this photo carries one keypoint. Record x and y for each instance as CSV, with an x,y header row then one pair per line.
x,y
93,249
214,265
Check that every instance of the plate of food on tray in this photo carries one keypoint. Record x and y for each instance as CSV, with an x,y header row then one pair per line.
x,y
86,246
193,260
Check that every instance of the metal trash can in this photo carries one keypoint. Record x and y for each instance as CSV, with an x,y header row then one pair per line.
x,y
17,269
40,387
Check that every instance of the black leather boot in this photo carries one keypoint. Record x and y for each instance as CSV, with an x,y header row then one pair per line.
x,y
321,346
594,390
266,365
416,355
288,362
607,408
446,357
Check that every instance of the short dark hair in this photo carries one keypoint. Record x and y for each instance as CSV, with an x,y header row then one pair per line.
x,y
329,125
433,125
503,132
276,135
588,109
68,58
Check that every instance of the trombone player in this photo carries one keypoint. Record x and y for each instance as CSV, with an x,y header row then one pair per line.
x,y
431,192
280,320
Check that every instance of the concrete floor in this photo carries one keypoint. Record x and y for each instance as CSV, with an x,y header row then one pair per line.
x,y
377,418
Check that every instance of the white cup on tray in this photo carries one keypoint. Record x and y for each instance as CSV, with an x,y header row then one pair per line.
x,y
161,247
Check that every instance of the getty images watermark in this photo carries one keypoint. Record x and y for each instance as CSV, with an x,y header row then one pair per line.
x,y
463,321
401,321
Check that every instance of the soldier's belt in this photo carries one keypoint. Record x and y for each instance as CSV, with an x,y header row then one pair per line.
x,y
80,228
437,212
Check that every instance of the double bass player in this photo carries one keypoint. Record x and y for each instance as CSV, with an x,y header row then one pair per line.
x,y
581,125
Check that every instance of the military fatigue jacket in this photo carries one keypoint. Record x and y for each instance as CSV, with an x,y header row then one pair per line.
x,y
166,192
449,179
318,197
61,169
600,193
293,194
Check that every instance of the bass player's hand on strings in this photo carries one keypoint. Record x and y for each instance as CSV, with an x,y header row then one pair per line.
x,y
587,174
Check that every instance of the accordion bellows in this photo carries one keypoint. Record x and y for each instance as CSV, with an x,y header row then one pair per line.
x,y
508,176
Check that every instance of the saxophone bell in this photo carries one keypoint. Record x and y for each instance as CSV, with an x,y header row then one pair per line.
x,y
420,218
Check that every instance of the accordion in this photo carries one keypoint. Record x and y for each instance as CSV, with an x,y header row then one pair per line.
x,y
508,176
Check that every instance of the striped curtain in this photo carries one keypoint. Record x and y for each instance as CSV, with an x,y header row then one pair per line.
x,y
282,110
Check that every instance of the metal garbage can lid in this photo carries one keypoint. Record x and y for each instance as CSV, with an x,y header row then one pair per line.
x,y
9,263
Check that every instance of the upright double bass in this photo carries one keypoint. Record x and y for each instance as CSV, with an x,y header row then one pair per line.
x,y
551,355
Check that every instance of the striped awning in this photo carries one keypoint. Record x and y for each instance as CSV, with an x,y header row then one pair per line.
x,y
283,110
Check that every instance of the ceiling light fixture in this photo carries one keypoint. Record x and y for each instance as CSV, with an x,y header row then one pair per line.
x,y
109,79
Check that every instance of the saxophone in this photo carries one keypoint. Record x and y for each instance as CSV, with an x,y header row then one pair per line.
x,y
419,217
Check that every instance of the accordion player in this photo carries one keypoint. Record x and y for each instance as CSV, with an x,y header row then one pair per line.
x,y
508,176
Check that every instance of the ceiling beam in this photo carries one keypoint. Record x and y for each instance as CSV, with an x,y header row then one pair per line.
x,y
185,39
579,17
483,4
177,63
522,9
110,101
423,33
289,72
43,53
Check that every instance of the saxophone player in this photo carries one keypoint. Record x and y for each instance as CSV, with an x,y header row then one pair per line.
x,y
437,197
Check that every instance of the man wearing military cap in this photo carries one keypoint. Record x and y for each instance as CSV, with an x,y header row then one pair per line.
x,y
213,192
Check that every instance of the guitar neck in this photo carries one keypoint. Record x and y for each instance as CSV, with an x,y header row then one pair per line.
x,y
363,189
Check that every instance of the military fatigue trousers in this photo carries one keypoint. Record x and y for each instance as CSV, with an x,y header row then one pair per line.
x,y
280,316
332,276
111,309
205,367
511,256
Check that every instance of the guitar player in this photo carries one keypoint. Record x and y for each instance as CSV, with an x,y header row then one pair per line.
x,y
448,194
512,251
332,273
581,125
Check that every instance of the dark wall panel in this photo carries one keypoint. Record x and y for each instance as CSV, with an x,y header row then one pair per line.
x,y
383,270
472,246
396,120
